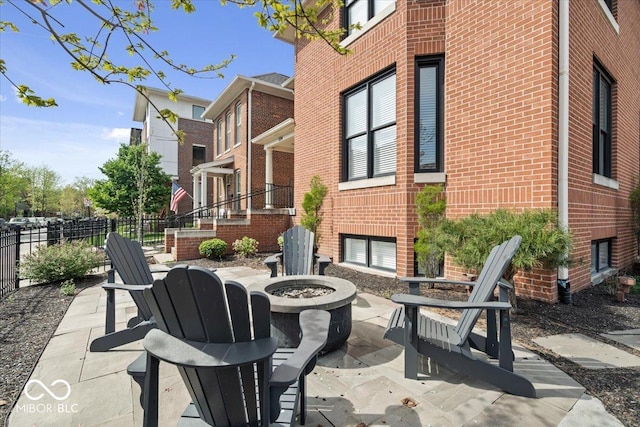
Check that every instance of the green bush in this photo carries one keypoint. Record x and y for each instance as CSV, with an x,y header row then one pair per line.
x,y
245,247
67,260
311,205
68,288
280,242
213,248
470,239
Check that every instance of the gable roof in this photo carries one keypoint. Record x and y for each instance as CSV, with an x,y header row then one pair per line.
x,y
264,83
275,78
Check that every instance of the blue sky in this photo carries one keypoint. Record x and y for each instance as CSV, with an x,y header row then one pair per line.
x,y
91,119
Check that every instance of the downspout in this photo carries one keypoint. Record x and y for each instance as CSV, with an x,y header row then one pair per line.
x,y
249,144
564,286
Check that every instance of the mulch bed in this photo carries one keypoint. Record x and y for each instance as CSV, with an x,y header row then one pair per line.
x,y
29,316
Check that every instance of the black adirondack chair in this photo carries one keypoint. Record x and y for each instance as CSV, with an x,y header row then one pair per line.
x,y
219,337
450,345
297,256
127,258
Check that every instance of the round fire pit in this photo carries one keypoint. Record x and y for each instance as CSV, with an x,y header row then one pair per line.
x,y
300,293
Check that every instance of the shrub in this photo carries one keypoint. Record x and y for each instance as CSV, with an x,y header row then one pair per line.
x,y
67,260
213,248
280,242
469,240
68,288
311,205
430,206
245,247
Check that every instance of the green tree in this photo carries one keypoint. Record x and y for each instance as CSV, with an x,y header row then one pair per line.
x,y
12,182
127,26
44,189
132,171
71,201
311,205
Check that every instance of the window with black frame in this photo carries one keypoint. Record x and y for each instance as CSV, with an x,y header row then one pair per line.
x,y
429,132
368,251
369,120
601,114
600,255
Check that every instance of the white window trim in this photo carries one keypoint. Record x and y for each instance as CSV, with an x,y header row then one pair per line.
x,y
238,124
430,177
370,24
601,276
368,270
609,16
605,182
379,181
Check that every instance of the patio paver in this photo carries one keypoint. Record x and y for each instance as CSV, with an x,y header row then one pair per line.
x,y
361,382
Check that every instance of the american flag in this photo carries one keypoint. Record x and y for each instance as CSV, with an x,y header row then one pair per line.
x,y
177,193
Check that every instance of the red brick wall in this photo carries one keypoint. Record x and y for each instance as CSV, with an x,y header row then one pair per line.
x,y
199,133
596,211
501,112
264,226
382,211
267,112
501,88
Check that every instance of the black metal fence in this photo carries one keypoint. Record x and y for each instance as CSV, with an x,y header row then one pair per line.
x,y
9,257
15,243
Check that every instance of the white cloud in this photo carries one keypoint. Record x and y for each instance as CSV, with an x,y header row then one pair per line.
x,y
117,134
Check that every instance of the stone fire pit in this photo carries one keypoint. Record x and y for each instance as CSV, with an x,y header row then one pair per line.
x,y
309,292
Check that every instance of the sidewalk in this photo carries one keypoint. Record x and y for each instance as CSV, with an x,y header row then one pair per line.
x,y
361,383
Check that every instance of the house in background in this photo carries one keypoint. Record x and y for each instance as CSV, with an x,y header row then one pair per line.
x,y
522,104
236,162
246,175
177,159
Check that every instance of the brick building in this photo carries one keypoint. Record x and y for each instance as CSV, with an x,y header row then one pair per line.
x,y
177,159
512,104
256,108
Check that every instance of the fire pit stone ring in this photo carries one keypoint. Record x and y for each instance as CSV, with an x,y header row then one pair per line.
x,y
285,311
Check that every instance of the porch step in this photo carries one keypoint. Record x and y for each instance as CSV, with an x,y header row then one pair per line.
x,y
163,258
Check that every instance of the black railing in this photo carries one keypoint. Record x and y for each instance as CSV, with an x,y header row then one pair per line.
x,y
17,242
274,196
9,257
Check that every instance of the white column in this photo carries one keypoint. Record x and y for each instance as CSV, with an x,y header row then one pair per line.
x,y
196,190
203,194
268,162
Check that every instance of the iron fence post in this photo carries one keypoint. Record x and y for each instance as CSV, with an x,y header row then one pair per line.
x,y
17,273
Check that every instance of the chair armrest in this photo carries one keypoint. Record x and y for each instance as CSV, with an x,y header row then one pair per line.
x,y
272,263
323,261
198,354
123,287
315,329
504,284
436,281
416,300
